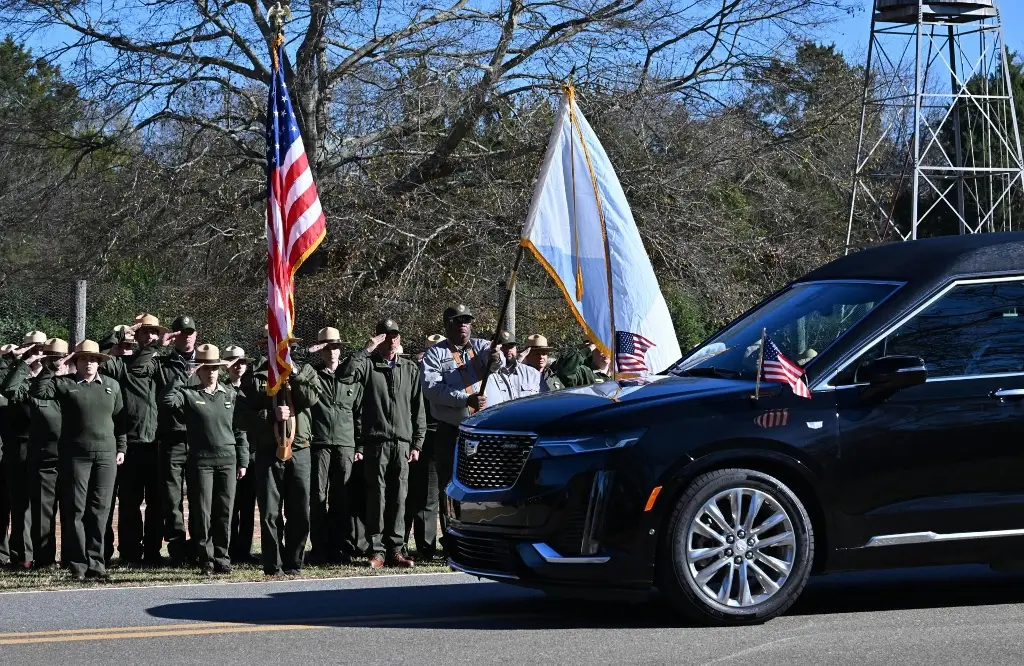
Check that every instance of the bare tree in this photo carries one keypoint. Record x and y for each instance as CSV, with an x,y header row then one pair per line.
x,y
378,78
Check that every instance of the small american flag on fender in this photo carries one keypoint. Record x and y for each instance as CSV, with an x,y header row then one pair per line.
x,y
778,368
774,418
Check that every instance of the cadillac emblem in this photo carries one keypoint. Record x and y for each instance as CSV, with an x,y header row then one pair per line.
x,y
471,445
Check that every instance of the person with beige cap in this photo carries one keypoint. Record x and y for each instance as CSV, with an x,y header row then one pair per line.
x,y
44,436
538,356
421,504
92,445
17,460
243,511
138,488
218,457
333,527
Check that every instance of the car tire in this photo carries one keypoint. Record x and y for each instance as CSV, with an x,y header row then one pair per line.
x,y
705,565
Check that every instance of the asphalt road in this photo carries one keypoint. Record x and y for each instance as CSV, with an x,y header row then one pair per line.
x,y
938,616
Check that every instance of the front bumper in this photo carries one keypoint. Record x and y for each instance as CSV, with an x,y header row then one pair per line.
x,y
567,522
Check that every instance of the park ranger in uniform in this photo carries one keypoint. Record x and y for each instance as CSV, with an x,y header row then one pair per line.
x,y
451,372
538,356
515,380
421,504
393,427
171,432
282,476
18,461
218,456
92,445
134,366
243,513
335,433
7,359
44,435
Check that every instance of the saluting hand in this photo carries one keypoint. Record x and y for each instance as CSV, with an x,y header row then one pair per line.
x,y
374,343
169,337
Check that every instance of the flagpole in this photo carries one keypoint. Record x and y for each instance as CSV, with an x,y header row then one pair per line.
x,y
760,363
509,290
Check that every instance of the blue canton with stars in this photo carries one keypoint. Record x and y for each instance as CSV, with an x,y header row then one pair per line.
x,y
282,126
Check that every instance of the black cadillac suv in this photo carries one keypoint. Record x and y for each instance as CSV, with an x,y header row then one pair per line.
x,y
727,496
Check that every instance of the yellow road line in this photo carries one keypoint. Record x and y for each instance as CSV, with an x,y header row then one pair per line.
x,y
212,628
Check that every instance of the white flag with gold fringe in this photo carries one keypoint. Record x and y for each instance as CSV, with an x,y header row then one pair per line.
x,y
581,230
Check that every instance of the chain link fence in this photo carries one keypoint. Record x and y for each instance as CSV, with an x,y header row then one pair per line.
x,y
234,313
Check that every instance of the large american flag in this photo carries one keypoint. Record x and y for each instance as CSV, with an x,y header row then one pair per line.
x,y
295,222
778,368
631,351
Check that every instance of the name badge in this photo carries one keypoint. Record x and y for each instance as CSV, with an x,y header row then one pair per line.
x,y
108,390
200,402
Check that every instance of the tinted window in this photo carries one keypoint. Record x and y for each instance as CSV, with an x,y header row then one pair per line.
x,y
803,321
975,329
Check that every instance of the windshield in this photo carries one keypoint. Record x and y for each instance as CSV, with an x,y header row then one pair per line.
x,y
802,321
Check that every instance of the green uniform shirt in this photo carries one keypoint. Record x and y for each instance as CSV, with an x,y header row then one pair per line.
x,y
210,423
93,412
574,369
334,416
306,391
392,408
44,431
136,375
168,371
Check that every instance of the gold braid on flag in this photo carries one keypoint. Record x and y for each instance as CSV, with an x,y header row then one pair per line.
x,y
570,91
574,125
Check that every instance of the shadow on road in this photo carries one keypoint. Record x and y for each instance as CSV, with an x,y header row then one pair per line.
x,y
497,606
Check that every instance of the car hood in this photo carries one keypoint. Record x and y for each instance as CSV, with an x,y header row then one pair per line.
x,y
569,408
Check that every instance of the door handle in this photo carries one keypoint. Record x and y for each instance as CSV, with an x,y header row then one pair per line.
x,y
1003,394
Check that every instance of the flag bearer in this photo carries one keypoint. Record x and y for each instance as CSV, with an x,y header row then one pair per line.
x,y
92,445
218,455
283,473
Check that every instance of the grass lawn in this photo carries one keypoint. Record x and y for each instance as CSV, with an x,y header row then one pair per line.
x,y
11,581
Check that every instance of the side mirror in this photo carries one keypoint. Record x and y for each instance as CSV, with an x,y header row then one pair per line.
x,y
890,374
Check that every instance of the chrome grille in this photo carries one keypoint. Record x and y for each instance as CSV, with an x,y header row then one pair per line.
x,y
488,461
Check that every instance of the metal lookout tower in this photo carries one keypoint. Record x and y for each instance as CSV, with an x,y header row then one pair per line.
x,y
939,147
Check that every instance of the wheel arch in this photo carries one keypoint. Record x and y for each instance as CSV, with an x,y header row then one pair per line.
x,y
783,465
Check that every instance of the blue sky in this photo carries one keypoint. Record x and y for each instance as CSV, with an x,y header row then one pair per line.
x,y
851,35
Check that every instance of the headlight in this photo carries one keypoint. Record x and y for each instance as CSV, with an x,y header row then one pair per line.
x,y
567,446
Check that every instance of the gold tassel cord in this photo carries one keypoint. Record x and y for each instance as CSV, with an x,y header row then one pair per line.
x,y
570,92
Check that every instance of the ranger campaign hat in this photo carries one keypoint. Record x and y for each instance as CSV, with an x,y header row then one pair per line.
x,y
90,349
209,355
434,339
34,338
329,336
183,323
538,342
55,347
148,321
387,326
507,338
234,353
7,349
456,312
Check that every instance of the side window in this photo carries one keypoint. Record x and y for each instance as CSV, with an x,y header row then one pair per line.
x,y
974,329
